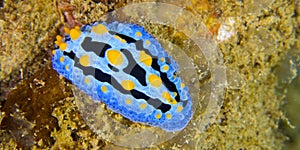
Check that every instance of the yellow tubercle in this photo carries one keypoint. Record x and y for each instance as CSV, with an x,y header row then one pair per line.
x,y
165,68
104,88
128,101
128,84
75,33
168,97
145,58
53,52
162,59
63,46
84,60
62,59
99,29
175,76
179,108
119,38
86,80
143,105
148,42
138,33
168,116
57,42
182,85
77,27
67,30
175,94
172,101
59,38
67,67
158,116
154,80
115,57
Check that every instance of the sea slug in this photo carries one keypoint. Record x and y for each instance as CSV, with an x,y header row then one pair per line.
x,y
124,67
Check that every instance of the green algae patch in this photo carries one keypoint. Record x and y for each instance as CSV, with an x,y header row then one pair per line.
x,y
249,116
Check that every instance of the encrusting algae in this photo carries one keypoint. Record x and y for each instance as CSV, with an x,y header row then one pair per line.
x,y
38,108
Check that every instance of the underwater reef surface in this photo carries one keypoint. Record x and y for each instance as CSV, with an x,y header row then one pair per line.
x,y
38,107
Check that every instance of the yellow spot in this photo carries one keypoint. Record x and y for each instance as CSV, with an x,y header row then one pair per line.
x,y
59,38
53,52
104,88
119,38
67,30
62,59
148,42
154,80
175,94
86,80
128,84
75,33
84,60
162,59
67,67
145,58
58,43
143,105
77,27
63,46
179,108
158,115
115,57
167,96
165,68
182,85
168,116
138,33
99,29
128,101
173,101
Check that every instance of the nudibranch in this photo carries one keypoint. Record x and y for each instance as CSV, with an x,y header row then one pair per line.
x,y
124,67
